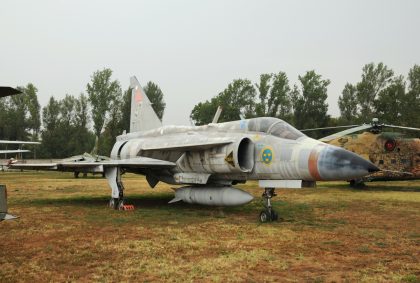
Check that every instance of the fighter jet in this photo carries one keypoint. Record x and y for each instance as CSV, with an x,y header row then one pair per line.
x,y
211,159
3,205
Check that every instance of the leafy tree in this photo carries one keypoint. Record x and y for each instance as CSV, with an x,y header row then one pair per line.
x,y
203,112
81,133
274,95
414,80
383,95
34,109
17,122
126,110
67,109
155,95
375,78
65,130
81,112
348,104
411,103
113,128
102,92
50,114
237,100
389,104
309,102
51,146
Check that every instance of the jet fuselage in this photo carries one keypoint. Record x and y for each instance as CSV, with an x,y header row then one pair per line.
x,y
254,149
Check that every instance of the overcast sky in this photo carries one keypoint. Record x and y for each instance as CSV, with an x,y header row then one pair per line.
x,y
193,49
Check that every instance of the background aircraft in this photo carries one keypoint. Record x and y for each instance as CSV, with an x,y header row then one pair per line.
x,y
8,91
211,159
14,151
397,156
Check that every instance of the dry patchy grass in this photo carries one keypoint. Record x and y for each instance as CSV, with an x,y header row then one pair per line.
x,y
328,234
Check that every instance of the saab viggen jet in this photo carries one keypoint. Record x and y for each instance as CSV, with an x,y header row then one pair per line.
x,y
211,159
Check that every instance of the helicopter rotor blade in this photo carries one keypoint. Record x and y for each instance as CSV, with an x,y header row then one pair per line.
x,y
345,132
326,128
401,127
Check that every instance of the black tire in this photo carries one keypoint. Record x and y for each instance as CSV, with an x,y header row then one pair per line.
x,y
357,183
114,203
120,205
265,216
274,215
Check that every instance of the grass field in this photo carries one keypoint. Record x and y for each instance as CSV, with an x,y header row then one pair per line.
x,y
67,233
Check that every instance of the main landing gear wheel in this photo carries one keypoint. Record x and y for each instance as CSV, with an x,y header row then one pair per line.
x,y
274,215
114,203
357,183
121,205
269,214
265,216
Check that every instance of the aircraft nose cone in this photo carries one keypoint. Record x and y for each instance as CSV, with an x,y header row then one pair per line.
x,y
336,163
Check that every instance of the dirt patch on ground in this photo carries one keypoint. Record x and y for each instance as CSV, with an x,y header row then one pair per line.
x,y
328,234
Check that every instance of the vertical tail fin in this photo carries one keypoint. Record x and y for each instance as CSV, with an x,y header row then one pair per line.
x,y
3,205
143,117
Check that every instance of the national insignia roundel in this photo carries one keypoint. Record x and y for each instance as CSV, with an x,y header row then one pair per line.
x,y
267,155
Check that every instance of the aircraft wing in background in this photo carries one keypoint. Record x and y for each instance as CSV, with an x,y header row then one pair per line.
x,y
8,91
14,151
18,142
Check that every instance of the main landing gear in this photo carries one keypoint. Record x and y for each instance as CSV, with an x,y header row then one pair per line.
x,y
118,203
268,214
113,175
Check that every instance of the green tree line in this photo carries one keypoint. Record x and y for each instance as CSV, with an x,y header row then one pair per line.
x,y
75,124
379,93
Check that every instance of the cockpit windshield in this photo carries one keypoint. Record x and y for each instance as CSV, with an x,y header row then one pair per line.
x,y
268,125
283,130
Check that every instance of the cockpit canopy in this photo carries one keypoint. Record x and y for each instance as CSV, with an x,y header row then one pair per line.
x,y
271,126
285,131
275,127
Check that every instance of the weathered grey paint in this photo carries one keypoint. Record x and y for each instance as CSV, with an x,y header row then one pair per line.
x,y
212,195
141,109
206,149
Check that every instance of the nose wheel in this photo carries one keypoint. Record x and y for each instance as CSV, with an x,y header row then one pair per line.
x,y
268,214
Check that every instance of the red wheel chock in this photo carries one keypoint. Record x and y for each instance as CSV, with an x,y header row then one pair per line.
x,y
128,207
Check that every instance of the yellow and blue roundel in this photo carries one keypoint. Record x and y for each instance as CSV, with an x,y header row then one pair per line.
x,y
267,155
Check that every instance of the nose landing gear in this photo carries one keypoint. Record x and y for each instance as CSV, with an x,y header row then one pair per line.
x,y
118,203
268,214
